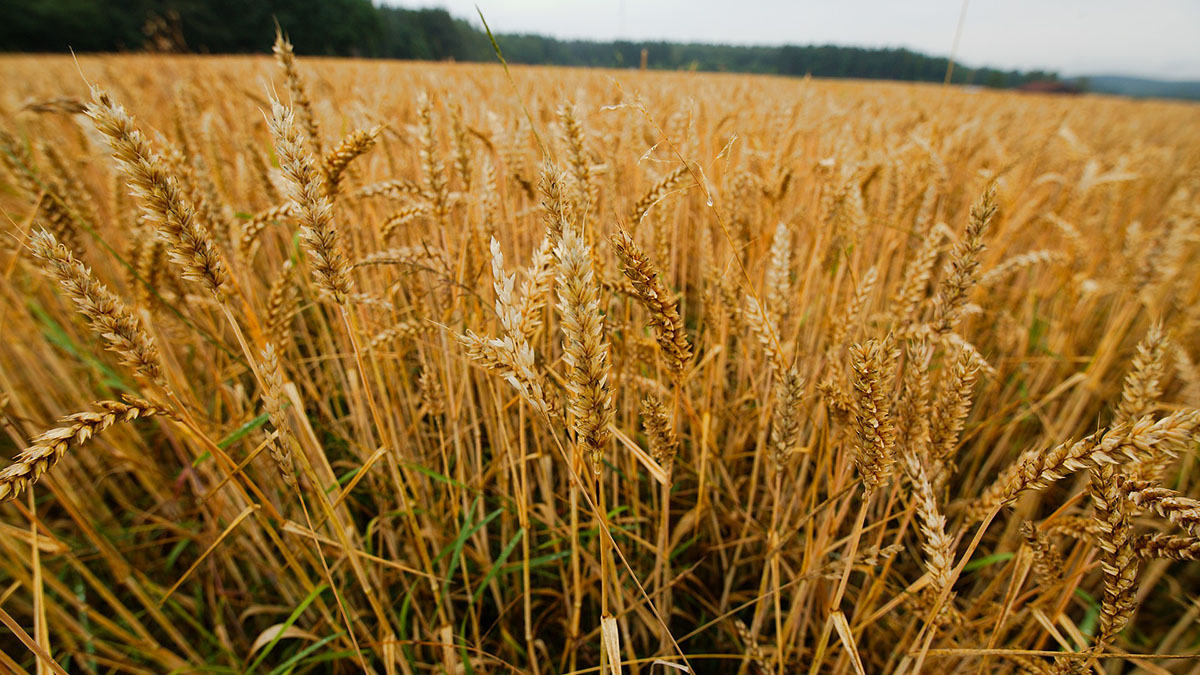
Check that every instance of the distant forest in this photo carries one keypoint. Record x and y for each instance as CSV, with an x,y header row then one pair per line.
x,y
359,28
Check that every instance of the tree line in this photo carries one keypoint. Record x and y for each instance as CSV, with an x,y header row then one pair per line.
x,y
359,28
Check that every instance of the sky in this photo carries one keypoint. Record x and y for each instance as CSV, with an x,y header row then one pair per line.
x,y
1145,38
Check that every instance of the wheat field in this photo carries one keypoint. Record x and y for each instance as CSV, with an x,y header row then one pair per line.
x,y
357,366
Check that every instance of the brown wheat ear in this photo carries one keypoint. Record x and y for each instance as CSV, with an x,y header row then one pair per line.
x,y
1037,468
313,209
1047,561
1181,510
660,430
1169,546
585,350
50,446
875,450
334,165
786,421
1117,557
664,316
272,396
962,272
286,58
163,199
109,317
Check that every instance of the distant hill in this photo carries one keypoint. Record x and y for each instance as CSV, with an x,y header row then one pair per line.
x,y
1141,87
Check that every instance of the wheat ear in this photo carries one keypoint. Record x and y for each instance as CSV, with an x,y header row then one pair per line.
x,y
664,316
50,446
162,198
1183,511
875,449
962,272
1036,468
585,350
120,328
313,208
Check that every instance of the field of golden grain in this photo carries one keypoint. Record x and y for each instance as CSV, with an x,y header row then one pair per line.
x,y
333,366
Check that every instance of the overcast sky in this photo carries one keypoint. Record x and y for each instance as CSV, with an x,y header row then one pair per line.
x,y
1148,38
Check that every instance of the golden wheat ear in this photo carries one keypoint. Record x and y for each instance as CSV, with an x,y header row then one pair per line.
x,y
312,206
104,310
46,449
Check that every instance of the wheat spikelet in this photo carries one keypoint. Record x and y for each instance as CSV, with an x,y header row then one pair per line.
x,y
433,395
660,430
401,217
581,167
778,278
431,164
875,450
936,544
412,256
1141,392
838,402
514,362
1076,527
46,449
1015,264
658,192
254,227
1143,384
281,447
1047,561
396,188
109,317
556,212
1117,557
283,301
313,209
511,355
1183,511
585,350
536,289
786,422
962,271
913,419
191,246
752,648
462,149
914,287
333,166
401,331
503,283
286,59
949,413
1168,546
1036,469
664,316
